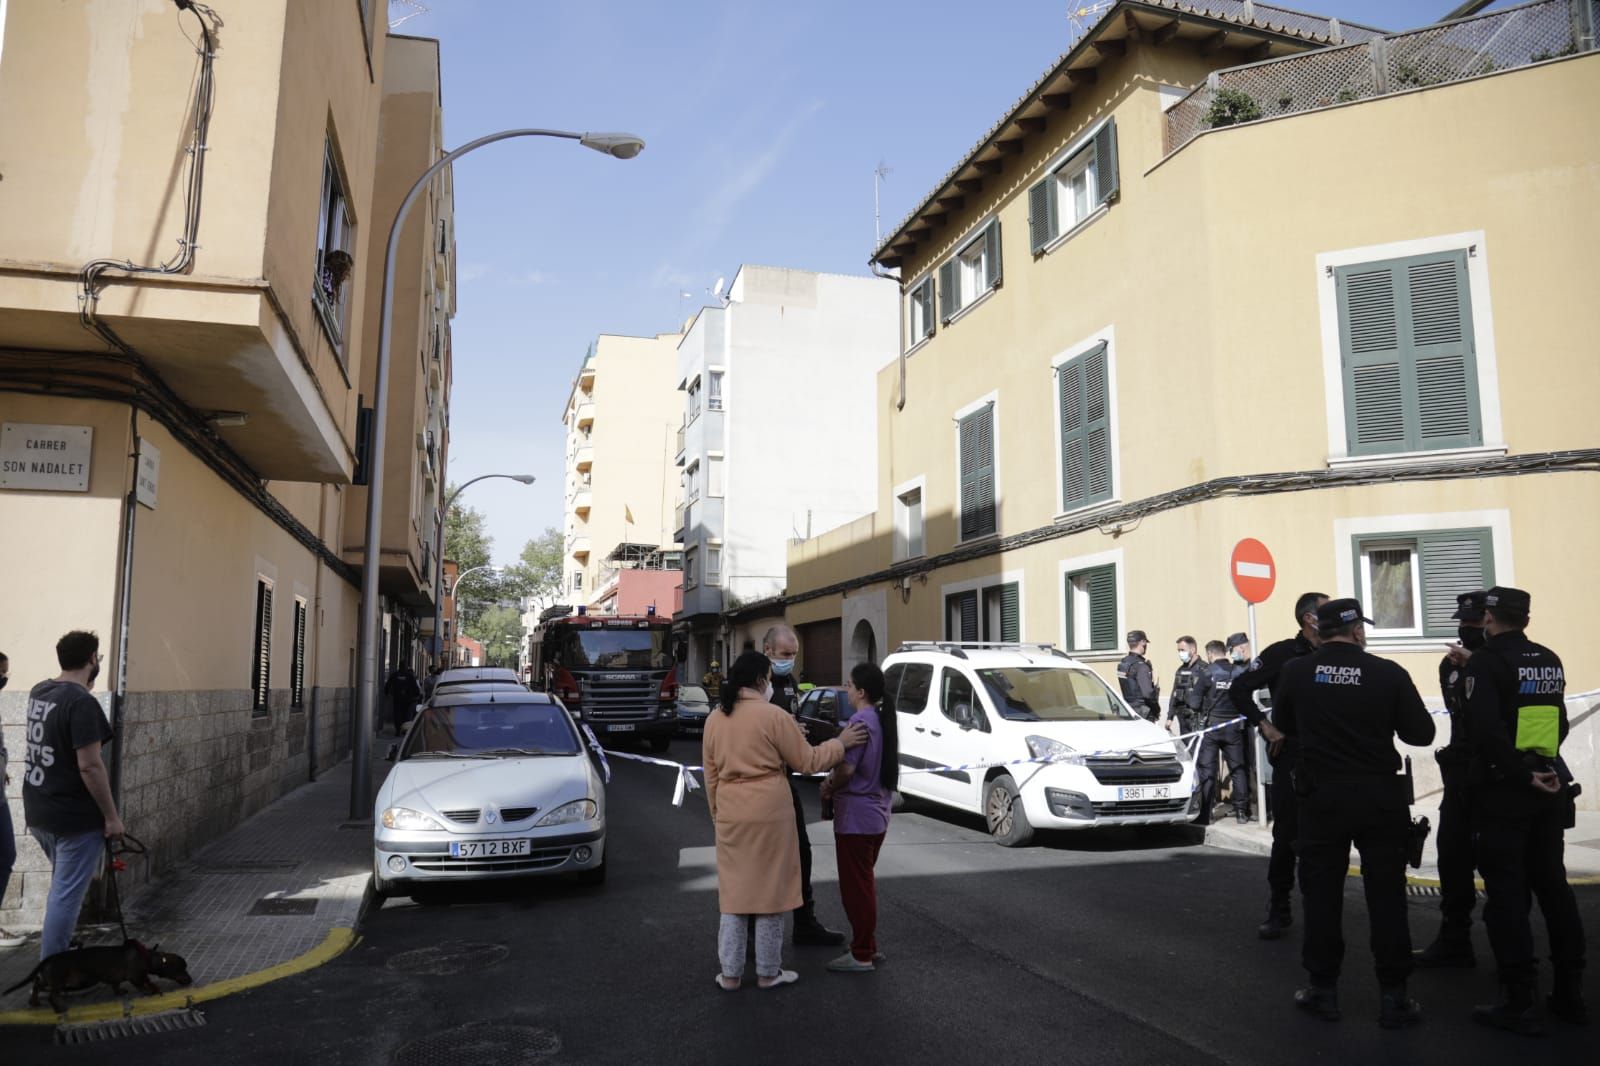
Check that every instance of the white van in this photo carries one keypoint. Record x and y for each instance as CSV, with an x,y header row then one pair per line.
x,y
963,704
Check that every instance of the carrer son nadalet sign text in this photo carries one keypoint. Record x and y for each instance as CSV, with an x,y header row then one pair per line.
x,y
45,458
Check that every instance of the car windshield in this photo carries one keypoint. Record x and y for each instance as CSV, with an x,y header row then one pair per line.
x,y
1051,694
693,694
617,649
483,729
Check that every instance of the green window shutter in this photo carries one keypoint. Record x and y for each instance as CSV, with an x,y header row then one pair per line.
x,y
1406,348
991,255
1083,392
1043,226
1100,585
977,474
1105,162
1452,562
949,295
961,616
1010,613
925,296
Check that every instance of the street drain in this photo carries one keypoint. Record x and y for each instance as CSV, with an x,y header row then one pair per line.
x,y
450,957
479,1043
171,1021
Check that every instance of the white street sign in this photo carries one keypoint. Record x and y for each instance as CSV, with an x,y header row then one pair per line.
x,y
45,458
149,473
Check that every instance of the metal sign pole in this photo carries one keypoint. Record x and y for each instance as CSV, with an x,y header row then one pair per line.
x,y
1261,745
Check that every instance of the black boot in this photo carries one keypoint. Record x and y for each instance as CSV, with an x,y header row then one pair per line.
x,y
1516,1012
1566,1002
1396,1009
808,932
1279,918
1322,1001
1242,817
1451,949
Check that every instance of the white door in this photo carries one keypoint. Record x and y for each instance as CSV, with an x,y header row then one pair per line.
x,y
906,688
953,736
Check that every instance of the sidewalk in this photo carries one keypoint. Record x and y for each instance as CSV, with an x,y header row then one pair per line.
x,y
1582,850
279,894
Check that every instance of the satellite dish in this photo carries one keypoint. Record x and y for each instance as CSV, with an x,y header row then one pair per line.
x,y
716,290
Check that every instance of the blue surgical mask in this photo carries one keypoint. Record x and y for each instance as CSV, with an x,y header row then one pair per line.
x,y
1183,655
783,667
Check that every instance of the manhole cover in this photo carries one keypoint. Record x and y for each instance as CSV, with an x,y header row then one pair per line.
x,y
271,906
453,956
479,1043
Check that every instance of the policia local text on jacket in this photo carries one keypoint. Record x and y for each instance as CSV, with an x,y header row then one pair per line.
x,y
1227,742
1345,707
1516,714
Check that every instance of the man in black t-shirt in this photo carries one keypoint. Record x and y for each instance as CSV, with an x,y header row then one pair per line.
x,y
66,791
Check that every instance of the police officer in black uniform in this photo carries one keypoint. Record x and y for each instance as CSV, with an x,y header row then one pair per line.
x,y
1138,679
1227,741
1457,894
1263,674
1183,706
1521,801
1345,708
781,645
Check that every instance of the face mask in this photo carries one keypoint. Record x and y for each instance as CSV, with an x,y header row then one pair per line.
x,y
1237,656
1472,637
1183,655
782,667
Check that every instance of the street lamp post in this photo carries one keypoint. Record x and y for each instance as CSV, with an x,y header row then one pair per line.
x,y
438,555
462,577
618,145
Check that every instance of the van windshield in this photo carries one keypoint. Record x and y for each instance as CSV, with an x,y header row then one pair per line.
x,y
1052,694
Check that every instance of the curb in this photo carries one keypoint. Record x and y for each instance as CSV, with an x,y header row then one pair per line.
x,y
336,943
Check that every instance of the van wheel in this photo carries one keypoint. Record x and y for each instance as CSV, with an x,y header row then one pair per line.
x,y
1002,811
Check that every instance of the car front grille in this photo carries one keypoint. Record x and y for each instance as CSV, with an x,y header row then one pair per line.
x,y
1126,808
516,814
465,815
1133,770
538,859
605,700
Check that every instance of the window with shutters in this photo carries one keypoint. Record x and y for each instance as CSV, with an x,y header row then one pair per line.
x,y
976,446
297,663
1075,189
988,610
961,616
908,522
920,309
1002,617
1407,354
261,657
971,273
1408,582
1091,608
1083,422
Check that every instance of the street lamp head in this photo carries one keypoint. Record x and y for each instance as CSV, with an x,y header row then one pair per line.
x,y
526,479
620,145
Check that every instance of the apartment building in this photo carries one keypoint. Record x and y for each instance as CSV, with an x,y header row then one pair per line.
x,y
777,440
621,417
185,317
1263,275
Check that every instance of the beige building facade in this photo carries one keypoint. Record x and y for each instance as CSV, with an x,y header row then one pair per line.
x,y
185,314
1353,325
621,422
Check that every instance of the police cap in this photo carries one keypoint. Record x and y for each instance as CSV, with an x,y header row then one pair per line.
x,y
1514,600
1336,613
1237,639
1136,636
1469,607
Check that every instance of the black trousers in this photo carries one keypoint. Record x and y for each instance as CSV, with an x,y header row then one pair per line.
x,y
1285,821
1457,893
1229,744
1520,859
807,897
1371,813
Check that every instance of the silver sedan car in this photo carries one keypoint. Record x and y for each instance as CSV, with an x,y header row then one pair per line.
x,y
489,785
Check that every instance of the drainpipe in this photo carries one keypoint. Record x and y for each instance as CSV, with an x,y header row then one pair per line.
x,y
872,264
119,669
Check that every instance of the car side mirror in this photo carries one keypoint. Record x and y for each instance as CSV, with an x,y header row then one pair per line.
x,y
394,753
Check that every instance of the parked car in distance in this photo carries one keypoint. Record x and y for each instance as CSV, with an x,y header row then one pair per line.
x,y
489,785
989,704
464,688
693,706
823,712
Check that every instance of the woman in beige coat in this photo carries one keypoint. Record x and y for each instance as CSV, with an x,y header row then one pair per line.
x,y
748,751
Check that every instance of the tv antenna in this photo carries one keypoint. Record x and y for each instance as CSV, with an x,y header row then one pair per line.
x,y
879,172
1082,16
412,9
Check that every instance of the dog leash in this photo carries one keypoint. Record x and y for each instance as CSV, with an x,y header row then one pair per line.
x,y
128,845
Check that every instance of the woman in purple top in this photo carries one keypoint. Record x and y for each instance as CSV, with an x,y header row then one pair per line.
x,y
860,789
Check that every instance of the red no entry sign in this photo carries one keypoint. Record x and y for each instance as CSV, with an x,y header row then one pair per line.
x,y
1252,570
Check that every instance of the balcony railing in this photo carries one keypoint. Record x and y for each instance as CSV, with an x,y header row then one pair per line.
x,y
1434,55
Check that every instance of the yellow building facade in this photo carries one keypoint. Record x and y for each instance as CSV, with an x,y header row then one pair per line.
x,y
1352,325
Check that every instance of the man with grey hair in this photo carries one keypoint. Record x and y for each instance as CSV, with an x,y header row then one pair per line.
x,y
782,645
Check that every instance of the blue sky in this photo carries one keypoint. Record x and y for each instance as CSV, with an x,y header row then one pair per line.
x,y
764,123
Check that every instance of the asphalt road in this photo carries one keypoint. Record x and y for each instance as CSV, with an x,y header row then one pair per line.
x,y
1112,948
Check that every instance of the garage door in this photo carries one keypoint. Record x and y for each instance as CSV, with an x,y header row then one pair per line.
x,y
821,645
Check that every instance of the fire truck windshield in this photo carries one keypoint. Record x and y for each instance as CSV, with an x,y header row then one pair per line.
x,y
616,649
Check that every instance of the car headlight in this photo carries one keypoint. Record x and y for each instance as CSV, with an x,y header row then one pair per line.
x,y
1184,754
577,811
405,818
1053,750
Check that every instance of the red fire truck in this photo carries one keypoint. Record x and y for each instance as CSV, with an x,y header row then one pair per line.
x,y
616,673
